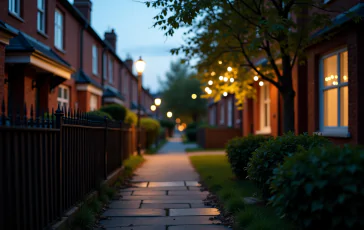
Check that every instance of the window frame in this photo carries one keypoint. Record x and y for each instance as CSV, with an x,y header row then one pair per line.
x,y
332,130
93,107
14,7
262,102
62,99
95,56
111,70
42,12
56,29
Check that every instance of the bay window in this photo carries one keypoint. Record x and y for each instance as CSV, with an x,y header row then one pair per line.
x,y
264,108
93,102
63,98
58,29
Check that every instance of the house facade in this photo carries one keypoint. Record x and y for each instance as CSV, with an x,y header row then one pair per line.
x,y
50,55
327,86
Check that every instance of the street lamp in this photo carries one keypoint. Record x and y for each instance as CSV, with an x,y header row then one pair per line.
x,y
140,66
153,107
194,96
169,114
157,101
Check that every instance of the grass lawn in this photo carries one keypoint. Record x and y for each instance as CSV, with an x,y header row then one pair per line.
x,y
131,164
216,174
199,149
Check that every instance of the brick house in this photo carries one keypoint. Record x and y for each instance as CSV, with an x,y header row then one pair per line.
x,y
327,87
50,54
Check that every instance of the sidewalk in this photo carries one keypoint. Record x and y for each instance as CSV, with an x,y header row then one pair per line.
x,y
165,195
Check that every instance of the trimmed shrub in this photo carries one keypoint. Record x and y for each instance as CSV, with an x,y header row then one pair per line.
x,y
321,187
272,152
98,115
117,112
239,151
191,134
167,124
192,126
152,127
130,118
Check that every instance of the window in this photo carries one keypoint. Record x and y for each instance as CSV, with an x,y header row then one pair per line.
x,y
41,16
222,114
104,64
94,59
334,97
230,112
14,7
111,70
264,102
58,30
212,115
93,102
63,96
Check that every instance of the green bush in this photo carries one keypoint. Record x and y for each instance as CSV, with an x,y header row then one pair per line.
x,y
239,151
321,187
152,127
130,118
191,134
192,126
167,124
117,112
98,115
272,152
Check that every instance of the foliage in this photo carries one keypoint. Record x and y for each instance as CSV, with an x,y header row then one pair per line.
x,y
272,152
98,115
167,124
84,218
191,135
322,186
130,118
216,174
117,112
177,91
152,127
192,125
239,151
95,206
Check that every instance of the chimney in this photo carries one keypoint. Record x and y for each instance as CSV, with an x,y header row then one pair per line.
x,y
129,63
110,37
84,6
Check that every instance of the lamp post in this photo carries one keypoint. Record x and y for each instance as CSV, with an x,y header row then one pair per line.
x,y
157,102
140,66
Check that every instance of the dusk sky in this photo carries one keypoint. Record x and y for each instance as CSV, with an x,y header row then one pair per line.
x,y
133,24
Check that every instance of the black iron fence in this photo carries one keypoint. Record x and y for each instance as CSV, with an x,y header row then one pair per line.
x,y
51,161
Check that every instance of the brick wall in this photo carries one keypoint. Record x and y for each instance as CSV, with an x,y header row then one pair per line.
x,y
216,137
3,86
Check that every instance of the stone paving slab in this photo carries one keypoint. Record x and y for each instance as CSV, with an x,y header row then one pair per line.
x,y
197,201
149,193
193,183
187,193
168,220
197,227
125,204
199,205
194,188
163,197
194,212
165,206
166,184
139,184
156,227
134,212
178,188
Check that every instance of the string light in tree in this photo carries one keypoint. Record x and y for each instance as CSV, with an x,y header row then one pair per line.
x,y
261,83
225,79
232,80
221,78
225,94
256,78
210,82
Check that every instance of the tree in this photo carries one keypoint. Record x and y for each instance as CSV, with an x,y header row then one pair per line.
x,y
239,33
177,92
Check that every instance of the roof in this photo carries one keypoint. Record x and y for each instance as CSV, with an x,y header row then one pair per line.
x,y
25,43
112,92
82,78
3,27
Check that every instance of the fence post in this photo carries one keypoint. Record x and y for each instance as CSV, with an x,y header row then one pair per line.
x,y
121,143
59,116
105,147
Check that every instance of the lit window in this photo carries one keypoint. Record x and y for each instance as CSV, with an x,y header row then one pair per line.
x,y
111,73
264,101
334,92
230,113
41,16
58,30
63,97
14,7
94,59
93,102
222,114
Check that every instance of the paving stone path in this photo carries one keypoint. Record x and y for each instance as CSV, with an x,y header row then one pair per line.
x,y
165,196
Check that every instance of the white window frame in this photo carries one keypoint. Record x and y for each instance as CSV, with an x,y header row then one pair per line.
x,y
14,7
93,102
104,64
94,59
263,101
62,101
339,131
230,112
222,114
58,29
111,70
41,22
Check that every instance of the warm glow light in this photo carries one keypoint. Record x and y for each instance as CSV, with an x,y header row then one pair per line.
x,y
225,79
209,92
213,73
184,125
261,83
169,114
140,65
220,62
332,76
157,101
336,77
232,80
229,69
221,78
153,107
256,78
194,96
180,128
210,82
335,83
207,89
345,78
225,94
178,120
